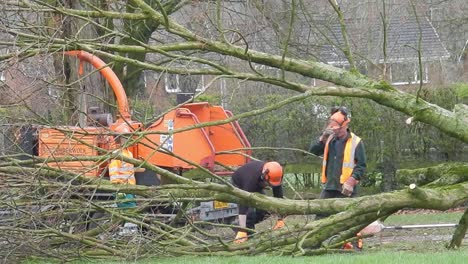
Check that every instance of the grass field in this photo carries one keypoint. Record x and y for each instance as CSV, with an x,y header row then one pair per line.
x,y
448,257
456,257
427,240
426,218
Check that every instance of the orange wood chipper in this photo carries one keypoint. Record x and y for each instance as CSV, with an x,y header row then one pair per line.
x,y
199,145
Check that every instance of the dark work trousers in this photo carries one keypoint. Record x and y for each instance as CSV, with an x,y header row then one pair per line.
x,y
328,194
254,216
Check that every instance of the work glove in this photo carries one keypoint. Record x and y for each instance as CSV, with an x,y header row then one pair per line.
x,y
325,134
348,186
241,237
279,224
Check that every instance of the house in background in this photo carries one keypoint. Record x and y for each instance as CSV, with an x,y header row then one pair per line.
x,y
406,39
317,36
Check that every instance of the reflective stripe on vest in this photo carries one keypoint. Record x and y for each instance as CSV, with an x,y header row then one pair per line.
x,y
121,172
348,158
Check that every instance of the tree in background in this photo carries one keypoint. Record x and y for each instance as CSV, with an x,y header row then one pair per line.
x,y
258,57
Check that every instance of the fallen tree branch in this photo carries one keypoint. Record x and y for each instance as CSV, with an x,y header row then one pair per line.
x,y
440,175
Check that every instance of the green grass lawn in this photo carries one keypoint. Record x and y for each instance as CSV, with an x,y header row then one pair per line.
x,y
385,257
434,218
403,246
390,246
448,257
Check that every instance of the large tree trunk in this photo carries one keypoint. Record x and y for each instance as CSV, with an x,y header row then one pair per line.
x,y
139,32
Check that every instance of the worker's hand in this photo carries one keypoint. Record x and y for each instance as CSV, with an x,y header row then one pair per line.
x,y
348,186
140,169
279,224
241,237
325,134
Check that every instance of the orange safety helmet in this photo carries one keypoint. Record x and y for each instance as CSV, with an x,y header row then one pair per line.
x,y
339,118
272,173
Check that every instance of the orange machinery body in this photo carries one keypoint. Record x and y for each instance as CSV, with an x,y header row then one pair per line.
x,y
199,145
73,142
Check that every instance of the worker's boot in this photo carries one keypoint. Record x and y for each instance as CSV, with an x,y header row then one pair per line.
x,y
348,246
356,245
359,242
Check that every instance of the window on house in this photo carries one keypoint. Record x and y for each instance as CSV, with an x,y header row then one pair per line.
x,y
171,83
175,83
407,73
436,14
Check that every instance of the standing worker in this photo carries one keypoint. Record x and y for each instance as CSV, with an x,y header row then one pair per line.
x,y
254,177
344,159
120,171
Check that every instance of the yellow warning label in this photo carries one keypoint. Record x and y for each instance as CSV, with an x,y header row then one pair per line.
x,y
219,204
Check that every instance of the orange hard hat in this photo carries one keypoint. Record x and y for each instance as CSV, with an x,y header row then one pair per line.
x,y
273,173
337,120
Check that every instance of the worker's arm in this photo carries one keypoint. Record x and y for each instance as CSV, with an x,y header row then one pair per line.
x,y
277,191
360,157
317,148
358,171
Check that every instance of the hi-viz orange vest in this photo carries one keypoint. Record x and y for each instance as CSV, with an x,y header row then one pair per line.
x,y
121,172
348,158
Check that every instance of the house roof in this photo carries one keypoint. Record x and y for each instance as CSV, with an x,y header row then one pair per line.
x,y
318,37
402,39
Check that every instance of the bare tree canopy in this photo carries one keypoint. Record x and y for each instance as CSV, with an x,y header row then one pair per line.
x,y
307,49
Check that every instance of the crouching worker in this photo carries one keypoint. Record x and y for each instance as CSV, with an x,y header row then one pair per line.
x,y
120,171
254,177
